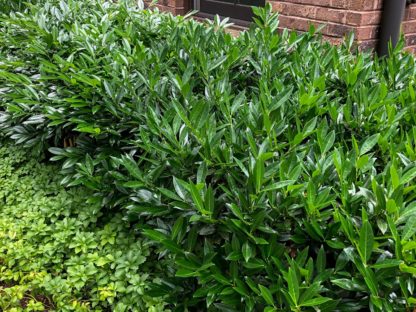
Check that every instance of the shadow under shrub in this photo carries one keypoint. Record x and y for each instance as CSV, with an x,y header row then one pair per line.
x,y
273,171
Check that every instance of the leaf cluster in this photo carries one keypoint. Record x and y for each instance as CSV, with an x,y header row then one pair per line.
x,y
272,171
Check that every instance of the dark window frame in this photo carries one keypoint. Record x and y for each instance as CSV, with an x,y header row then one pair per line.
x,y
239,13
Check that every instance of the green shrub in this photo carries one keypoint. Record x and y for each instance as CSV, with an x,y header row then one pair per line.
x,y
8,6
57,252
273,171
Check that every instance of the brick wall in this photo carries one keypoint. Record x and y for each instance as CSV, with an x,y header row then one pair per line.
x,y
409,27
177,7
338,18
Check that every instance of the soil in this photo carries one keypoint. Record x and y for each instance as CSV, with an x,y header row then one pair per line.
x,y
47,303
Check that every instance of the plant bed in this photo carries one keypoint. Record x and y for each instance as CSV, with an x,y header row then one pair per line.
x,y
273,172
59,253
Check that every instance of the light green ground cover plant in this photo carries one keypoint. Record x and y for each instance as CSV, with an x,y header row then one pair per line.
x,y
59,253
273,172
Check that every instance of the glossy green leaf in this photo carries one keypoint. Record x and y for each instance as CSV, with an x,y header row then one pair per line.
x,y
315,302
247,251
267,295
366,243
293,285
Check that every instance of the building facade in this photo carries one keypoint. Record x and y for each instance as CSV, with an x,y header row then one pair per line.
x,y
338,17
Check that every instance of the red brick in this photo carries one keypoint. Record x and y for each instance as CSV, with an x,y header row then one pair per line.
x,y
294,9
409,27
365,5
366,32
165,8
303,24
176,3
358,18
367,44
411,49
410,39
332,40
309,11
410,13
331,15
321,3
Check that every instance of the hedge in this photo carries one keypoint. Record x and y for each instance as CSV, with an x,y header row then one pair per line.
x,y
272,171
